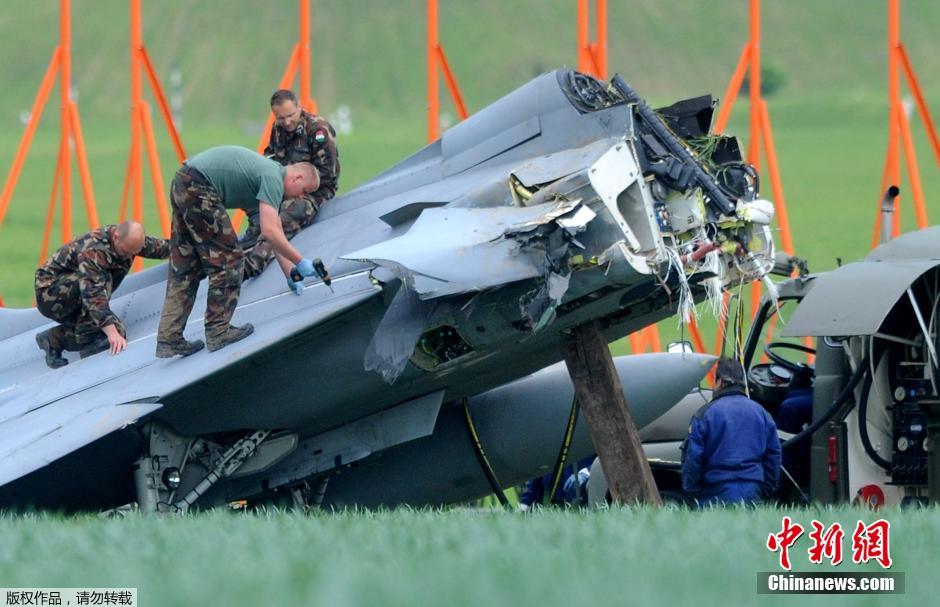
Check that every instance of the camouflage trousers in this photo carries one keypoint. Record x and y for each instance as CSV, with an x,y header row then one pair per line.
x,y
296,214
62,302
203,244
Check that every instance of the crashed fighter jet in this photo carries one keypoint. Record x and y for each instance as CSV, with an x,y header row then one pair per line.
x,y
456,271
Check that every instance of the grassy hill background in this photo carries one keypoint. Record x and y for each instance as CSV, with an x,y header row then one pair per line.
x,y
827,58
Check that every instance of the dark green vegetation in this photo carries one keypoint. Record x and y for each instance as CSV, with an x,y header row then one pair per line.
x,y
459,557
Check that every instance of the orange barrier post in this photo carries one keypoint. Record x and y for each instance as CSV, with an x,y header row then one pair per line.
x,y
899,130
142,132
437,59
592,55
760,135
71,134
299,61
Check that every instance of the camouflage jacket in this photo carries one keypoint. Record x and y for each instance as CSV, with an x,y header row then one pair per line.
x,y
314,141
92,261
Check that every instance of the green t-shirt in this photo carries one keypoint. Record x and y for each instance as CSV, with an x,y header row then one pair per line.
x,y
242,177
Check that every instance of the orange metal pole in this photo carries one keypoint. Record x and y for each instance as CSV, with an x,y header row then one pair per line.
x,y
155,173
434,108
137,181
637,345
452,84
88,190
305,97
601,58
697,340
584,65
48,80
652,336
921,103
122,215
913,172
162,104
722,322
783,217
754,75
734,85
50,213
286,78
65,84
894,100
137,177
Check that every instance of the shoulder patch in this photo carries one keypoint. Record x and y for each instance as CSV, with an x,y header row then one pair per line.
x,y
319,136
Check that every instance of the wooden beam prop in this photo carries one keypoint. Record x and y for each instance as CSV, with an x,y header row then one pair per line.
x,y
616,439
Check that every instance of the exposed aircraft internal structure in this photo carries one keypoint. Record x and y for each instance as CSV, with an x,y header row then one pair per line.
x,y
456,271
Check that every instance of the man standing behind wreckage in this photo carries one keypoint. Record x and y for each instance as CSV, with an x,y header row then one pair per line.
x,y
204,242
74,288
296,136
732,453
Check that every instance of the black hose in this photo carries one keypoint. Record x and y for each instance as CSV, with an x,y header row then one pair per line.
x,y
863,426
836,405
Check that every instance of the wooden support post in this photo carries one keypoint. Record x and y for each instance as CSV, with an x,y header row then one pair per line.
x,y
615,436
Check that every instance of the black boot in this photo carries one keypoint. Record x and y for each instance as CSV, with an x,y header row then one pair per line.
x,y
230,336
54,358
181,347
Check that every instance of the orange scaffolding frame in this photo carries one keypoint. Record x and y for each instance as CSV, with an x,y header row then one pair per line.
x,y
899,129
437,60
142,133
61,64
760,135
298,61
592,54
592,60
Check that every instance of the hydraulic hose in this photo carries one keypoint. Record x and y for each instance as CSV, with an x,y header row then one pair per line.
x,y
841,399
863,426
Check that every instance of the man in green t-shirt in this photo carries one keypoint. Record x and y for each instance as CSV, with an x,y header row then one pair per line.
x,y
204,243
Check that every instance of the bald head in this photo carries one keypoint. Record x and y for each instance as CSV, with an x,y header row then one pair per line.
x,y
129,238
300,178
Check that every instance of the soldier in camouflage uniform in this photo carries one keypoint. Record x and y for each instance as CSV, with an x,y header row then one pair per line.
x,y
204,243
296,136
74,288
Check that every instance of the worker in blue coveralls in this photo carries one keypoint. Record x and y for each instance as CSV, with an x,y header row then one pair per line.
x,y
566,493
732,453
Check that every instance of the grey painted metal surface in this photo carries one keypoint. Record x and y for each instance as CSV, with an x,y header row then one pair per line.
x,y
521,426
591,242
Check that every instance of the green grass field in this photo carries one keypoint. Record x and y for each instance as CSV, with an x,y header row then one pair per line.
x,y
457,557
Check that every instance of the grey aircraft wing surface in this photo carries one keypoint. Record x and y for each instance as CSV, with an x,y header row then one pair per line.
x,y
460,269
47,416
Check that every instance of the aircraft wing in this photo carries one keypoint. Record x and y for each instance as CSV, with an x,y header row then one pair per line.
x,y
48,415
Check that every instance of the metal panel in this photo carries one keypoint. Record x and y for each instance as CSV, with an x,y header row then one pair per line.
x,y
923,244
835,307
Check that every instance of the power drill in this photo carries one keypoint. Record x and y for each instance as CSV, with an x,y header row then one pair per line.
x,y
319,268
